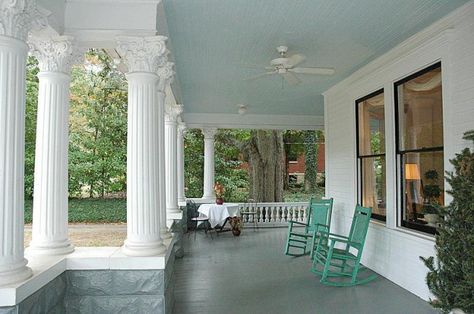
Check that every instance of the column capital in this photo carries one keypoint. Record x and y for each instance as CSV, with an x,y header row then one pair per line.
x,y
182,128
166,75
55,53
209,133
143,54
172,112
17,17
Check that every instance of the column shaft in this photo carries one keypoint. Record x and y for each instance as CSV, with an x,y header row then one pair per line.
x,y
161,159
143,202
209,164
50,205
180,170
13,53
171,165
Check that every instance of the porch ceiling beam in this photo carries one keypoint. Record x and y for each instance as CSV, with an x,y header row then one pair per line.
x,y
253,121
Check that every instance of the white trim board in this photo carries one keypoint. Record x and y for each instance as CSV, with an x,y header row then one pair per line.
x,y
253,121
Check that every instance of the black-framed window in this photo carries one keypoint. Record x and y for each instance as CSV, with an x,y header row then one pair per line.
x,y
370,120
419,142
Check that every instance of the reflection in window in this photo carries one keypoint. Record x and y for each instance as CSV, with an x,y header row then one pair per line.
x,y
371,153
420,148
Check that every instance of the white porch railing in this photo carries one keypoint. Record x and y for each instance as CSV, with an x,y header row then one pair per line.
x,y
275,214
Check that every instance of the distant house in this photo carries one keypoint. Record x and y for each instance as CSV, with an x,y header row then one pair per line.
x,y
296,168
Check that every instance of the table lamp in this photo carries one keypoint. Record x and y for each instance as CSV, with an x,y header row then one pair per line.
x,y
412,173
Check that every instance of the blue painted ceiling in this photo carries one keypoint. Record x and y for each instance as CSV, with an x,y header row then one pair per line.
x,y
217,43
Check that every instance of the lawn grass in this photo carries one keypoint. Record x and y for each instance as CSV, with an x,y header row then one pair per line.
x,y
90,210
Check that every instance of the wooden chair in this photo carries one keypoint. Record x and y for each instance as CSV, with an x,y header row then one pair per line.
x,y
336,265
250,210
196,219
318,218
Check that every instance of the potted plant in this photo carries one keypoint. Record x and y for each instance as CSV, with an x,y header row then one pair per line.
x,y
450,276
219,191
237,224
432,192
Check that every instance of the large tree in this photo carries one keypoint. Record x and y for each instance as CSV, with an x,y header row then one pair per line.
x,y
98,127
265,154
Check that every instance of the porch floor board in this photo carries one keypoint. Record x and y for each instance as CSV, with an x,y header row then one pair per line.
x,y
250,274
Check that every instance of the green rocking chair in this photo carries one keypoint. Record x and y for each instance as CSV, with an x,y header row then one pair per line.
x,y
318,219
337,265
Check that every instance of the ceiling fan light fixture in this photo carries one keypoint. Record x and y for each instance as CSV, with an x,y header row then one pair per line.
x,y
242,109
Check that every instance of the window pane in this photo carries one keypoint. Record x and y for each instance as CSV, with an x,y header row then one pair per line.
x,y
423,187
420,111
371,125
373,184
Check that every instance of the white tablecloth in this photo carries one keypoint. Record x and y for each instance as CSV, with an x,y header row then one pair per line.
x,y
217,214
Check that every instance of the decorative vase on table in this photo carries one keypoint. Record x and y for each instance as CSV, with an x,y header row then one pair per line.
x,y
219,191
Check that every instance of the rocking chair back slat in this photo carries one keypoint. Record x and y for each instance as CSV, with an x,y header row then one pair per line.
x,y
318,218
360,225
321,214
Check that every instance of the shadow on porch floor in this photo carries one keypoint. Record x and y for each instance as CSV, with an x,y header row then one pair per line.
x,y
249,274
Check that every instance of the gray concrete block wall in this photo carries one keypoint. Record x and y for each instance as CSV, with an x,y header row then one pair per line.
x,y
104,291
48,299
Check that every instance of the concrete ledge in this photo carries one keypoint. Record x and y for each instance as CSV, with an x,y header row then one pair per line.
x,y
47,268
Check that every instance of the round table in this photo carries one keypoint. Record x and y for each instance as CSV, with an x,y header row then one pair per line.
x,y
218,214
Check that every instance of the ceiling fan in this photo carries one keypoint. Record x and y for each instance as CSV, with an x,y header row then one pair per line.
x,y
286,67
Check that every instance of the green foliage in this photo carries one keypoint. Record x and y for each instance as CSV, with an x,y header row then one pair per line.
x,y
193,163
30,123
91,211
295,195
451,275
228,163
311,163
98,127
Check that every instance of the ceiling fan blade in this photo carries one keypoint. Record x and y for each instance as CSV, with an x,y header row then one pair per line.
x,y
259,76
295,60
291,78
316,71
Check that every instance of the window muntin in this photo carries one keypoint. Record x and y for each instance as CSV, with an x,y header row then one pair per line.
x,y
371,153
418,101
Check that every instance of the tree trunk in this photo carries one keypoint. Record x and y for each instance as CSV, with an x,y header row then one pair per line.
x,y
311,164
265,153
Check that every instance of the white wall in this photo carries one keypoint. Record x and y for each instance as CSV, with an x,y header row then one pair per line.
x,y
391,251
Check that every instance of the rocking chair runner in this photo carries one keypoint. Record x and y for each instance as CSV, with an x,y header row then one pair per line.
x,y
332,262
318,218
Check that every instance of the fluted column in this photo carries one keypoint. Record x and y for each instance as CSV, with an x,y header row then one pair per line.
x,y
209,164
180,159
165,74
50,199
171,139
15,21
143,56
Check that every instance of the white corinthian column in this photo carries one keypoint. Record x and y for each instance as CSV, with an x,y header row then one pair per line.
x,y
180,159
171,140
143,55
50,200
165,74
209,134
15,22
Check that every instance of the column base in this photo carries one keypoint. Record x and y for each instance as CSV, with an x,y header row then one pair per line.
x,y
166,235
131,248
172,210
15,275
55,248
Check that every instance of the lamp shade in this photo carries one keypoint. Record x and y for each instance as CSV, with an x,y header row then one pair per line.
x,y
412,172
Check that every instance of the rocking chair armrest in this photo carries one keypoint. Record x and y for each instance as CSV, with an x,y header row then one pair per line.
x,y
297,222
334,236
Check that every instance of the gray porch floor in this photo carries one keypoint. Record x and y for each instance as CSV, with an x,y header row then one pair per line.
x,y
250,274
